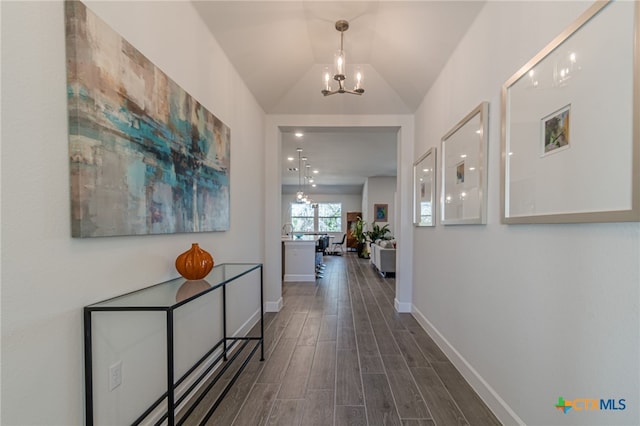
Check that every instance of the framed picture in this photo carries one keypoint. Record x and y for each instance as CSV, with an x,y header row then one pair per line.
x,y
570,124
463,170
424,189
145,156
381,212
554,131
460,172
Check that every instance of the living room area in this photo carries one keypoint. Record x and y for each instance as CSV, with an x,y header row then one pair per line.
x,y
341,182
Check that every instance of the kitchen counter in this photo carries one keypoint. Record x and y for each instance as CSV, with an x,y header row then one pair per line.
x,y
299,255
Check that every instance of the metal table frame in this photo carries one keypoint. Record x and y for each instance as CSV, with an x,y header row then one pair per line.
x,y
226,342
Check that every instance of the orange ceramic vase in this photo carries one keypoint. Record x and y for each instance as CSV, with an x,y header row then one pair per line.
x,y
194,264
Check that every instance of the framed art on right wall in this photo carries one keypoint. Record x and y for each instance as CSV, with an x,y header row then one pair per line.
x,y
571,124
424,189
463,168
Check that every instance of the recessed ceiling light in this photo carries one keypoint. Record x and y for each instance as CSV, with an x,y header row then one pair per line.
x,y
290,158
463,156
299,134
316,172
314,185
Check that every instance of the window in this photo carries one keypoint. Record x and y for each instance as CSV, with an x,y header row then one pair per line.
x,y
329,217
302,217
320,217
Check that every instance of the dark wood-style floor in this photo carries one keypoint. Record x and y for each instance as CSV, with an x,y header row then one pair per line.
x,y
338,354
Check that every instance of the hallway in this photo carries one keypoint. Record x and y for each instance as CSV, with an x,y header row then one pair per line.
x,y
338,354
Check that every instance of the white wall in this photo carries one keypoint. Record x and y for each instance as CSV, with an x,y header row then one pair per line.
x,y
47,277
381,190
528,312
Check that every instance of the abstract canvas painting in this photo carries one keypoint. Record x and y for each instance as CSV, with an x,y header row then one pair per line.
x,y
145,156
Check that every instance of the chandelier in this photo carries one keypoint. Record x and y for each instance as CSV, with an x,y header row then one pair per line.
x,y
301,197
340,67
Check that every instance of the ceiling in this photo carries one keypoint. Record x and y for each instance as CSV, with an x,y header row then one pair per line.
x,y
280,48
344,157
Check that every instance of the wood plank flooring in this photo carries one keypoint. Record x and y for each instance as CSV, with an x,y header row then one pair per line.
x,y
338,354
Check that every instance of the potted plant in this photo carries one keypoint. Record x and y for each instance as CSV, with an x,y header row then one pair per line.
x,y
378,233
359,233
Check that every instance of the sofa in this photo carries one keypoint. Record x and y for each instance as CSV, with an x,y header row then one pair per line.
x,y
383,256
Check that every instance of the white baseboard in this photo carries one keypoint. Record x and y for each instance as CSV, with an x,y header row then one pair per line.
x,y
273,306
496,404
402,307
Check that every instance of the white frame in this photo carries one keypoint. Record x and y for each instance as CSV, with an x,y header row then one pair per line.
x,y
424,175
597,179
464,202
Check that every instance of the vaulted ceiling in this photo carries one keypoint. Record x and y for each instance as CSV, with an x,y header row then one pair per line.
x,y
280,49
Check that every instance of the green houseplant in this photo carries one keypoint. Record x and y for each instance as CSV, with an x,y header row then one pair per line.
x,y
378,232
359,233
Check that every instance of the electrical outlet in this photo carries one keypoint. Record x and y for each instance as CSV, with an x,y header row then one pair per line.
x,y
115,375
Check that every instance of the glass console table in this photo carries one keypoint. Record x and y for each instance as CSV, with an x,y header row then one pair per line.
x,y
165,297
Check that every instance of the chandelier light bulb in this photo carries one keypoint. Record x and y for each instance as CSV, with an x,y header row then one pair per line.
x,y
339,66
359,79
326,78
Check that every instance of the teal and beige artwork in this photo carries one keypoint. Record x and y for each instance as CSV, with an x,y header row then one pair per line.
x,y
145,156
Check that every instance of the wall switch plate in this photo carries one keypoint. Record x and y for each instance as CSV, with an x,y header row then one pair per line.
x,y
115,375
